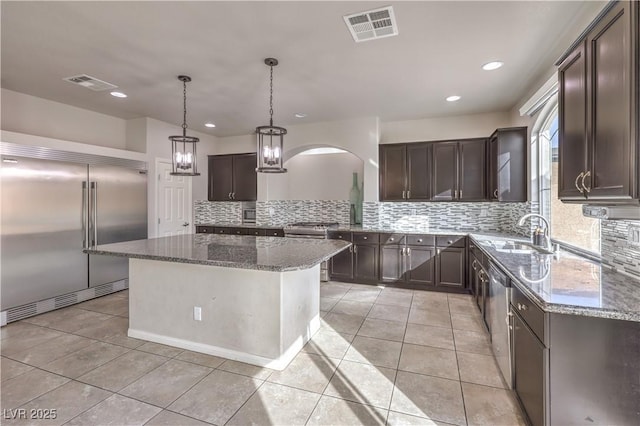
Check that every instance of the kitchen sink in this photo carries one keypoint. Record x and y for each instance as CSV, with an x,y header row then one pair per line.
x,y
515,247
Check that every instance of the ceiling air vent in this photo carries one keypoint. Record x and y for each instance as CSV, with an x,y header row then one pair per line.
x,y
371,25
90,82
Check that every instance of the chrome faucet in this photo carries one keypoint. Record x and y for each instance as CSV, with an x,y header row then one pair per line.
x,y
547,237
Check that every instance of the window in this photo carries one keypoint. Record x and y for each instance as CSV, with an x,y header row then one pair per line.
x,y
568,225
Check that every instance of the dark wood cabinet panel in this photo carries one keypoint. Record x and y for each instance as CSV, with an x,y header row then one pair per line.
x,y
365,263
609,93
220,177
392,263
599,117
529,371
232,177
445,171
471,182
341,265
245,178
419,171
508,159
572,122
450,271
421,265
393,171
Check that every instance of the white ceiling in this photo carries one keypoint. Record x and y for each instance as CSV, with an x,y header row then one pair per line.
x,y
143,46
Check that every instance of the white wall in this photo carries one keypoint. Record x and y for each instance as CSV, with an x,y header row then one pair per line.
x,y
442,128
28,114
322,176
358,136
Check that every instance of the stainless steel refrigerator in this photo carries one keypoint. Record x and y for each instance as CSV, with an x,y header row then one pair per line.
x,y
54,204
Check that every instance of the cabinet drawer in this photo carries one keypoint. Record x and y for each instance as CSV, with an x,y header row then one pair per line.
x,y
366,238
529,311
392,239
205,229
274,232
223,230
450,240
421,240
339,235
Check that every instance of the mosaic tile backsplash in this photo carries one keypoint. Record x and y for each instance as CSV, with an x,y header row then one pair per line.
x,y
615,247
206,212
483,217
283,212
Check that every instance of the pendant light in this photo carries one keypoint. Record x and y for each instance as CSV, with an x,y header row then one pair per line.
x,y
183,148
270,138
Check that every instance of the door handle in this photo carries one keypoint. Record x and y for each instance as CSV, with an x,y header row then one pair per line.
x,y
495,193
408,194
233,195
355,249
230,195
403,194
581,175
85,229
408,251
185,224
586,188
94,212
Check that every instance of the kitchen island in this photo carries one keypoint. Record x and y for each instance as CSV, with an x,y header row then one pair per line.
x,y
250,299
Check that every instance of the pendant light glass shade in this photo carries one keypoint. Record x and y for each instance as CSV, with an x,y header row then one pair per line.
x,y
270,138
183,148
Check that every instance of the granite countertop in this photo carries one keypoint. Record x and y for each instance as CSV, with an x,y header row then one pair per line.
x,y
240,225
565,283
245,252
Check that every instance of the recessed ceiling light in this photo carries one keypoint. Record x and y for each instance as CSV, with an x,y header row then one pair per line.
x,y
300,115
209,125
453,98
118,94
493,65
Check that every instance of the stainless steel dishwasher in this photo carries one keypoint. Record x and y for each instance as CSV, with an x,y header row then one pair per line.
x,y
499,295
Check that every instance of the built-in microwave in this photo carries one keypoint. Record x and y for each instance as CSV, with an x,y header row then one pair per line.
x,y
248,212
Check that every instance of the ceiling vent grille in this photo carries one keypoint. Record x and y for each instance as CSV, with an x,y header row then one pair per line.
x,y
90,82
372,25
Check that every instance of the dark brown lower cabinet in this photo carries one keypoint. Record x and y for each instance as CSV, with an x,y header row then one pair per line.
x,y
420,269
391,263
529,358
341,265
450,270
365,262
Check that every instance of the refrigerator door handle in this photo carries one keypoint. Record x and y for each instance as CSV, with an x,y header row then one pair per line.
x,y
94,213
85,229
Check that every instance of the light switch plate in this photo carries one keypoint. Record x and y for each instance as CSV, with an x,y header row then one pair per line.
x,y
634,235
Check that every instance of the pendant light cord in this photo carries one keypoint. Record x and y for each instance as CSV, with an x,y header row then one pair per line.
x,y
184,117
271,97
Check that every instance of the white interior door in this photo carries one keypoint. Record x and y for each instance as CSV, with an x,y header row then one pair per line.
x,y
174,202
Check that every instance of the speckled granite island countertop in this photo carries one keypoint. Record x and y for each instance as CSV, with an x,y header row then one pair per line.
x,y
566,283
244,252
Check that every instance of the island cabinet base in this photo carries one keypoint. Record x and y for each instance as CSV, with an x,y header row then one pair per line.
x,y
258,317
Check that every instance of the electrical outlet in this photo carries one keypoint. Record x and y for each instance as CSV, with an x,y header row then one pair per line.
x,y
197,313
634,235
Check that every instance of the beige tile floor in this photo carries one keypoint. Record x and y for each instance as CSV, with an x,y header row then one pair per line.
x,y
382,356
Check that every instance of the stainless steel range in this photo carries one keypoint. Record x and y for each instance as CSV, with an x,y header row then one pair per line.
x,y
318,230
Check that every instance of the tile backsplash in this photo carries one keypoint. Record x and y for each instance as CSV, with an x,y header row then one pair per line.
x,y
283,212
484,217
206,212
615,247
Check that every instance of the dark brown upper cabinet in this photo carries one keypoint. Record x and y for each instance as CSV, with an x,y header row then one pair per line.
x,y
459,170
405,172
233,177
508,175
598,125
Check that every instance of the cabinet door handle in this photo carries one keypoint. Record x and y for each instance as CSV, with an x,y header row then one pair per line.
x,y
495,193
408,251
364,238
586,188
355,249
408,194
419,240
350,249
402,251
392,239
460,193
403,194
581,175
522,307
229,195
